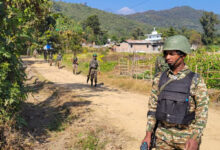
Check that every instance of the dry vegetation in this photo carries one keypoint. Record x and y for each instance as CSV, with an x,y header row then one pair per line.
x,y
126,83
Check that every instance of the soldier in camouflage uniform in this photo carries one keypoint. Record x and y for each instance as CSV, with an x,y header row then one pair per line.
x,y
51,57
178,101
93,69
160,65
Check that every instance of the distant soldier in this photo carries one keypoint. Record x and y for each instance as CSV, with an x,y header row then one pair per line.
x,y
59,59
93,69
51,58
75,65
35,53
160,65
45,55
28,51
178,105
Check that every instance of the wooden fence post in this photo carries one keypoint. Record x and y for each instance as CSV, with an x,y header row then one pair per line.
x,y
128,65
207,74
151,72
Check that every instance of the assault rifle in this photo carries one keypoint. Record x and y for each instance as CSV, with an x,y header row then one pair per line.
x,y
153,137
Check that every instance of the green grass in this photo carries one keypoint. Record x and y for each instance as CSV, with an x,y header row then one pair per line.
x,y
91,141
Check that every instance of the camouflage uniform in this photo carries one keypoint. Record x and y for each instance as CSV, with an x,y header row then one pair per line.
x,y
75,65
51,58
173,136
59,58
93,71
160,65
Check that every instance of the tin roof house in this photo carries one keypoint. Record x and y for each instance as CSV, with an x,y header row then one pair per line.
x,y
152,44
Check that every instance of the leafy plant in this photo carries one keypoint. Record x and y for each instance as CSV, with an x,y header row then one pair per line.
x,y
19,21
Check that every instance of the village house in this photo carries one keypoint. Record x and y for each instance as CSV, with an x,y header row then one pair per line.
x,y
152,44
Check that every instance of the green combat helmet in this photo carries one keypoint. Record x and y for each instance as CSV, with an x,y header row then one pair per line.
x,y
177,42
94,55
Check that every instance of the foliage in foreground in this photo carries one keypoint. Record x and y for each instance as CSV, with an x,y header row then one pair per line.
x,y
19,19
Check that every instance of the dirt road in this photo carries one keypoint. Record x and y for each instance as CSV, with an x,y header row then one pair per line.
x,y
123,110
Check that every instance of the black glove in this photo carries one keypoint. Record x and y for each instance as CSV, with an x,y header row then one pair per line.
x,y
144,146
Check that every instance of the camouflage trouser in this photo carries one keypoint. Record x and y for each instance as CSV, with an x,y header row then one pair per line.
x,y
59,63
51,62
93,75
75,66
163,145
172,138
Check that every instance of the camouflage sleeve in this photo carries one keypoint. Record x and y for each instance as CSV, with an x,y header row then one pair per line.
x,y
200,94
152,104
90,63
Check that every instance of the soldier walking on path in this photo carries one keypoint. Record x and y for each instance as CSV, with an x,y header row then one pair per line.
x,y
93,69
59,59
35,53
51,58
178,104
75,65
45,55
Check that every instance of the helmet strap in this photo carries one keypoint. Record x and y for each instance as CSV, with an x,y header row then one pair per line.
x,y
173,65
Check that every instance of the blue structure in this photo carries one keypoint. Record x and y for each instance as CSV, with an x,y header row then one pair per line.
x,y
47,47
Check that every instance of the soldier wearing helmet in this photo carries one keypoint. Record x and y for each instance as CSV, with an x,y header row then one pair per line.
x,y
178,105
93,69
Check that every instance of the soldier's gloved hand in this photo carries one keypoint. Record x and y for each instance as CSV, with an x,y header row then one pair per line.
x,y
147,139
191,144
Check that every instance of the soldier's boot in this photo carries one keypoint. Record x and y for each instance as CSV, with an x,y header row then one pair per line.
x,y
91,83
95,81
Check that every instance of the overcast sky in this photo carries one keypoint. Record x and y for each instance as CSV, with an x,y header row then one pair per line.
x,y
132,6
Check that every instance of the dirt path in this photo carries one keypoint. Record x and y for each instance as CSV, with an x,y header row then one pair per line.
x,y
124,110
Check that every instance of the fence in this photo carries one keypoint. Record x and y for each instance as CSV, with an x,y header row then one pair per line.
x,y
135,68
143,68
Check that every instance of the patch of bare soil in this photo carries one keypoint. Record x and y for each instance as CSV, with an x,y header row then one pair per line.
x,y
57,118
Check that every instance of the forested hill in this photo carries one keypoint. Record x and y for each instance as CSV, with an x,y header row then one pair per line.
x,y
114,24
176,17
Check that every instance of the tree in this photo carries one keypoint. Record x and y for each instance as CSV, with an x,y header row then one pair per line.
x,y
19,19
114,38
171,32
93,23
137,33
208,22
74,40
195,38
88,35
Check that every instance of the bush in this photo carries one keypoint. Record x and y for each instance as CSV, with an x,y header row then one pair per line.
x,y
207,65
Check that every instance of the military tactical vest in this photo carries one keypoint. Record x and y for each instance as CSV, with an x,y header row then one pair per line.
x,y
173,100
94,64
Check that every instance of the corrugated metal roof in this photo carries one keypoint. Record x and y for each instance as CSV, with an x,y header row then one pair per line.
x,y
137,41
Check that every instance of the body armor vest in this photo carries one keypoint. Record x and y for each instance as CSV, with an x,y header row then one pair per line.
x,y
173,100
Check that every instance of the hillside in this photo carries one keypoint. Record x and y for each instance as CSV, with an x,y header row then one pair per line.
x,y
114,24
176,17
